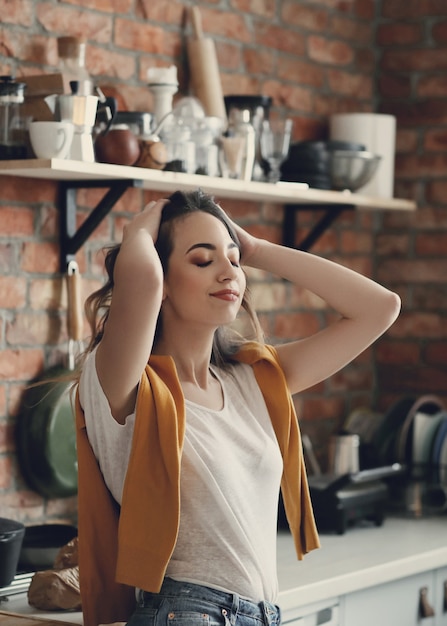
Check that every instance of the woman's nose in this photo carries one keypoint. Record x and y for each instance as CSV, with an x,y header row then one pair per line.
x,y
227,271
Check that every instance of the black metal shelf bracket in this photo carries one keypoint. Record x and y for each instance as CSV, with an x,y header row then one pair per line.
x,y
289,223
72,239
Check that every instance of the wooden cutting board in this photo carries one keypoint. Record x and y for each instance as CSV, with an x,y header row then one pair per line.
x,y
16,619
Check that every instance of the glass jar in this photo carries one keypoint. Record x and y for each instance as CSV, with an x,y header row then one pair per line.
x,y
13,125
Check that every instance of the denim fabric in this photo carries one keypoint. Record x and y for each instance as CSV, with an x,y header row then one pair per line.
x,y
187,604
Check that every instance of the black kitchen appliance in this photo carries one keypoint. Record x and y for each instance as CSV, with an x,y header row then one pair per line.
x,y
344,499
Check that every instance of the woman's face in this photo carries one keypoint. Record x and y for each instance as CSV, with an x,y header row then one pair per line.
x,y
204,283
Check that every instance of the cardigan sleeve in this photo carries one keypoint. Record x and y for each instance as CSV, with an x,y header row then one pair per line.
x,y
98,516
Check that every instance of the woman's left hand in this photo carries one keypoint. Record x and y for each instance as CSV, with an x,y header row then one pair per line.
x,y
248,242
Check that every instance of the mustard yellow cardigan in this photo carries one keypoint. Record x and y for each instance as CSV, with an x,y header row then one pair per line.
x,y
131,547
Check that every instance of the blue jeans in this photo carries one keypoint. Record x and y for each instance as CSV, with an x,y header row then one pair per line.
x,y
187,604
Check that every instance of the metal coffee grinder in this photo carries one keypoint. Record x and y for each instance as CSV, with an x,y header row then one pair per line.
x,y
81,111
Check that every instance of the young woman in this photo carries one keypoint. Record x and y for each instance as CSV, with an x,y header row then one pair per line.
x,y
186,430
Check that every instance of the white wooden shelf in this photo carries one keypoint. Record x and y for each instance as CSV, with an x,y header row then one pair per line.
x,y
280,193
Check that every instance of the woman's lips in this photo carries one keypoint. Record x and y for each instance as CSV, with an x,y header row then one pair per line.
x,y
226,294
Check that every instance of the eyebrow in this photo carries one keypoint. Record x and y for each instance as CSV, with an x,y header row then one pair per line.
x,y
209,246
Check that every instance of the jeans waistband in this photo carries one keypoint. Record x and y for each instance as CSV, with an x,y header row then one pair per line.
x,y
231,603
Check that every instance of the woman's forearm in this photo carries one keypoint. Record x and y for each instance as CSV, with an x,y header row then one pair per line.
x,y
346,291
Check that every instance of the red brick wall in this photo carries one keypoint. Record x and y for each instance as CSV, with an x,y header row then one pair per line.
x,y
314,59
411,251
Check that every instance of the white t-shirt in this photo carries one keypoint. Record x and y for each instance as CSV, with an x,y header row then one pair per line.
x,y
231,470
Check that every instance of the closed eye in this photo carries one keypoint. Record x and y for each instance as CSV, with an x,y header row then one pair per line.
x,y
203,263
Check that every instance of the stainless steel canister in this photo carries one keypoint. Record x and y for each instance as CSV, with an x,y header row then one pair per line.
x,y
344,454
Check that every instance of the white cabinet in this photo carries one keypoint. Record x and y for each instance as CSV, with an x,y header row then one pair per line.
x,y
441,597
324,613
412,600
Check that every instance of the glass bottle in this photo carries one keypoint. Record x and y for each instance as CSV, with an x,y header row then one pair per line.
x,y
238,148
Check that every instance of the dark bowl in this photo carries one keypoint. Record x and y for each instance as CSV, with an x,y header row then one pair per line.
x,y
42,543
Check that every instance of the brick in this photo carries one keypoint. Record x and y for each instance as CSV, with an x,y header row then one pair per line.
x,y
439,32
395,85
397,352
353,378
413,380
27,190
352,30
20,364
353,242
332,52
132,35
401,9
111,63
58,508
7,439
8,258
412,325
314,19
399,34
295,325
31,329
392,245
435,353
365,60
116,6
12,292
421,166
322,408
159,11
19,12
406,140
435,140
225,24
263,9
414,60
229,57
432,86
365,9
270,297
74,21
27,47
240,83
349,83
23,505
278,38
301,72
420,271
47,293
435,192
39,258
256,61
5,472
16,221
432,244
429,297
288,95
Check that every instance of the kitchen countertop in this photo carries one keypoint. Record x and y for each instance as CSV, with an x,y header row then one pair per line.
x,y
364,556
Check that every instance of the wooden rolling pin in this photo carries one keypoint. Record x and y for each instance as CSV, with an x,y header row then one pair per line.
x,y
204,69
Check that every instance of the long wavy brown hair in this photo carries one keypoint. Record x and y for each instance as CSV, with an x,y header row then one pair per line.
x,y
226,339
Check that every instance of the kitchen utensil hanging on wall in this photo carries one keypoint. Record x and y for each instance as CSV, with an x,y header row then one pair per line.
x,y
204,69
46,436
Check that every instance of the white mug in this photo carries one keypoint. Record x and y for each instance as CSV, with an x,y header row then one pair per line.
x,y
51,140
